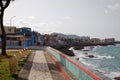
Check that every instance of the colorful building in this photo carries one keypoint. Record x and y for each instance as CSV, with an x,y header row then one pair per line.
x,y
29,37
108,40
22,37
95,40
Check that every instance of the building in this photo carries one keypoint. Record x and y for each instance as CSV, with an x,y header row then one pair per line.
x,y
29,36
22,37
24,31
32,38
12,38
84,39
95,40
15,40
19,36
9,30
108,40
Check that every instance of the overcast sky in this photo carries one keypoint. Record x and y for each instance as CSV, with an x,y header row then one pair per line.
x,y
94,18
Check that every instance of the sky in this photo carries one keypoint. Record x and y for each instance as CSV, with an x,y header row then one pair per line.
x,y
94,18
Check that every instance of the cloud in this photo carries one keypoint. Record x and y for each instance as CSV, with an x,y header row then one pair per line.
x,y
59,22
112,8
46,25
106,11
67,18
21,20
53,24
31,17
115,6
43,27
41,24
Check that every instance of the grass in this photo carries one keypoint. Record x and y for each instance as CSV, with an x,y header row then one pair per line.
x,y
5,73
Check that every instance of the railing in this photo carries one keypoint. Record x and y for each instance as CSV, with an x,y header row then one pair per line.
x,y
79,71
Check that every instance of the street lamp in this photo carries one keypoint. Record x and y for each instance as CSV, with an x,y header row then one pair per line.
x,y
11,20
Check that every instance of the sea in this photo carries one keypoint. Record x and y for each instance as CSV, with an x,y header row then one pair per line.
x,y
105,59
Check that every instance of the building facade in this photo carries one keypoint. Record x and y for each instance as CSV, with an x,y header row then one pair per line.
x,y
9,30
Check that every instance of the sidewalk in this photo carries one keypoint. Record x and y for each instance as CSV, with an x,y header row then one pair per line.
x,y
40,70
40,67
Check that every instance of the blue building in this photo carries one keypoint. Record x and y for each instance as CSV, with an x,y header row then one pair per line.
x,y
29,36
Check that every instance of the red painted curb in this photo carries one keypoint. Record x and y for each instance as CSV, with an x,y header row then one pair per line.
x,y
95,77
59,67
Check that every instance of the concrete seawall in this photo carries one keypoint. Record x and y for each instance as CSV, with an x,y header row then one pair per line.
x,y
79,70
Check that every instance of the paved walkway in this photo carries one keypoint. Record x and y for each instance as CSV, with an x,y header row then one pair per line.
x,y
40,70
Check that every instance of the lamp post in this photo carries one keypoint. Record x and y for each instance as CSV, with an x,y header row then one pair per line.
x,y
11,20
24,40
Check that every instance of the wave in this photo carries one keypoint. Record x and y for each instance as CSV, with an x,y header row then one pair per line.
x,y
105,57
100,55
71,48
93,56
85,63
112,75
83,59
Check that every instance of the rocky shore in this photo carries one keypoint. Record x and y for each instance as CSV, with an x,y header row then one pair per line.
x,y
65,50
117,78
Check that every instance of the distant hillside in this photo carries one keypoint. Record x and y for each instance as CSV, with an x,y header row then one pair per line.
x,y
71,36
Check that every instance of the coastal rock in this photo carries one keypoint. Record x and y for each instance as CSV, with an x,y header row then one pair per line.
x,y
70,53
66,51
117,78
77,59
90,56
85,53
78,47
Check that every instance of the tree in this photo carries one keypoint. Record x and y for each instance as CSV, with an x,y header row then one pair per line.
x,y
3,5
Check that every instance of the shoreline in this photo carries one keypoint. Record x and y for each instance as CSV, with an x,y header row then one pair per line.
x,y
81,57
99,73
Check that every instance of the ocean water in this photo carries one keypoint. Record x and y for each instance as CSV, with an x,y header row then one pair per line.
x,y
106,59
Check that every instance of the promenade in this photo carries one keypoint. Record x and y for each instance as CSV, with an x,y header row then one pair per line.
x,y
40,67
40,70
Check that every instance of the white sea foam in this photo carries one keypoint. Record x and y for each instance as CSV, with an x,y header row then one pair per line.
x,y
85,56
82,58
100,57
71,48
112,75
104,57
86,60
